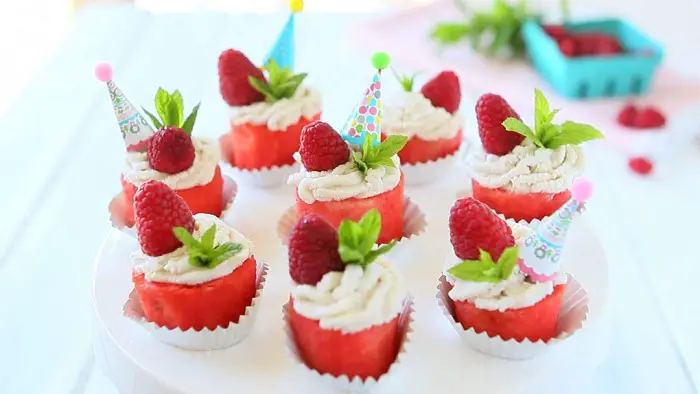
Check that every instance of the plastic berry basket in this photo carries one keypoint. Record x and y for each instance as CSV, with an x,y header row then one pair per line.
x,y
623,75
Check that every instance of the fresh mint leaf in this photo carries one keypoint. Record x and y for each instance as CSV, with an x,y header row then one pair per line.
x,y
371,225
473,271
361,165
573,133
162,103
262,87
207,239
188,125
223,252
176,97
174,117
549,131
349,255
517,126
186,238
390,146
154,119
373,254
542,111
450,33
507,261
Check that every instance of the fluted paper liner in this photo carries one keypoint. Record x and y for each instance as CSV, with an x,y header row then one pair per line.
x,y
117,207
414,222
572,317
343,383
268,177
206,339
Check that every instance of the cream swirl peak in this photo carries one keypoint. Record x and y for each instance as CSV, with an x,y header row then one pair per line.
x,y
354,299
527,168
207,155
281,114
416,116
515,292
174,267
345,181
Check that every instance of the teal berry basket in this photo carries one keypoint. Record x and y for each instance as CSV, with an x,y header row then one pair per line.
x,y
623,75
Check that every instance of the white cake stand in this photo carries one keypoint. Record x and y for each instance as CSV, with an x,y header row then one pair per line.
x,y
436,361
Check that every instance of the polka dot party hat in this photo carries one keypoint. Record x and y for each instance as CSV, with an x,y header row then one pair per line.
x,y
283,50
365,119
540,255
135,130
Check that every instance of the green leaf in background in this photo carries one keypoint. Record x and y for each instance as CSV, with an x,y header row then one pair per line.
x,y
171,109
176,97
357,240
450,33
162,101
517,126
405,81
154,119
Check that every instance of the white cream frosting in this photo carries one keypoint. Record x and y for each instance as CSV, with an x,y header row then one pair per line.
x,y
174,267
345,181
353,300
515,292
206,158
416,116
528,169
278,116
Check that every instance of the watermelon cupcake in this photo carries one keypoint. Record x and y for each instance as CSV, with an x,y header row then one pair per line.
x,y
429,118
504,281
524,173
196,281
269,106
188,165
345,175
348,315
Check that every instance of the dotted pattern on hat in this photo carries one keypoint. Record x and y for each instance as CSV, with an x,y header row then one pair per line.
x,y
365,120
132,124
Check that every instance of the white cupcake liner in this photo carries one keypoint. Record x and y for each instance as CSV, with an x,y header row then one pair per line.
x,y
414,222
343,383
264,178
572,317
117,208
206,339
428,172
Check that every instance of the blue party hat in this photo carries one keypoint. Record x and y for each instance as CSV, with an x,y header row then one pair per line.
x,y
283,50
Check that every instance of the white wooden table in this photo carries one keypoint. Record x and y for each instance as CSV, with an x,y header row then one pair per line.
x,y
62,154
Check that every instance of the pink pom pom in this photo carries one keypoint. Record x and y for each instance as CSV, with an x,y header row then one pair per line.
x,y
582,190
103,72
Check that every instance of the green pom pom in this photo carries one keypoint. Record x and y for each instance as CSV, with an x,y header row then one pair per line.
x,y
381,60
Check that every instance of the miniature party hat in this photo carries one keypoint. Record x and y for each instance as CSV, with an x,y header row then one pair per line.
x,y
135,130
283,50
365,119
540,255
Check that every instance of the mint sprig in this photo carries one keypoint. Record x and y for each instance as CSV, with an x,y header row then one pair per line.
x,y
171,109
356,240
405,81
485,269
282,83
202,252
374,156
502,25
547,134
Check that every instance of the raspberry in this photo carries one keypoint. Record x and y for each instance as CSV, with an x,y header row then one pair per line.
x,y
159,210
649,118
444,91
567,46
313,250
170,150
641,165
234,70
322,148
491,111
557,32
474,226
627,116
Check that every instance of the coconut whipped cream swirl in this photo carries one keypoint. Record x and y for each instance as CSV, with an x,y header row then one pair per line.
x,y
418,117
206,158
353,300
174,267
528,169
281,114
515,292
345,181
